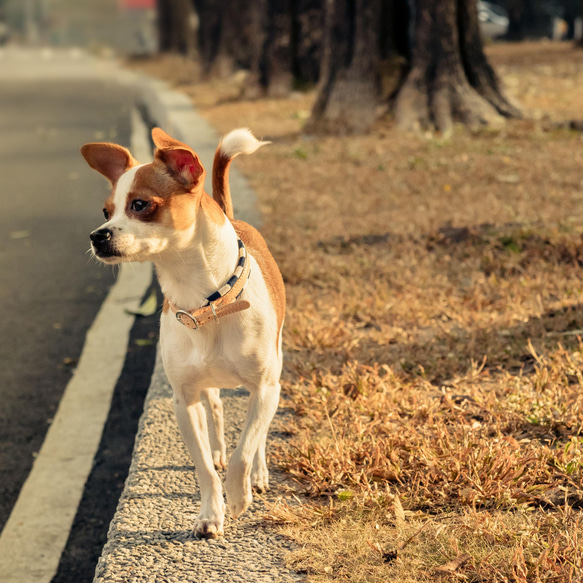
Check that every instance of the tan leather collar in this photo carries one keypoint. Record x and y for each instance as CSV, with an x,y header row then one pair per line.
x,y
221,303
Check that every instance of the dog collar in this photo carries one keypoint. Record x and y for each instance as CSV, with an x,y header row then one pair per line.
x,y
224,301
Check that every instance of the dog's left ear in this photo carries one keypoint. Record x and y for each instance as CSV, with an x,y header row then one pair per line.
x,y
110,160
179,158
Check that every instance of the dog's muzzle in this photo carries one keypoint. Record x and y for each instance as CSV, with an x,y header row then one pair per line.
x,y
102,242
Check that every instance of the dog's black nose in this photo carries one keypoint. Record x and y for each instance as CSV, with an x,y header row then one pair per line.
x,y
101,236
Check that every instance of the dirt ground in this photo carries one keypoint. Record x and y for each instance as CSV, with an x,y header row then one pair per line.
x,y
432,342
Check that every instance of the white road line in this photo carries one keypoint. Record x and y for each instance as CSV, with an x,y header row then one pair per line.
x,y
35,535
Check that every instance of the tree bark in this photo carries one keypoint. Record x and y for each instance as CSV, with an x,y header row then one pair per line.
x,y
438,89
225,36
478,70
517,14
209,32
579,42
348,93
277,76
272,49
176,29
307,40
395,46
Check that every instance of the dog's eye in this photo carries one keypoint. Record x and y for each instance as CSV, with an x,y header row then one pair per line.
x,y
106,214
138,205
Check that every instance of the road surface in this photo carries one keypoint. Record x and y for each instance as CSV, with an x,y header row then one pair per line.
x,y
51,289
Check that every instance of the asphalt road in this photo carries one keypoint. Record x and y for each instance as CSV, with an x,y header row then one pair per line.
x,y
50,289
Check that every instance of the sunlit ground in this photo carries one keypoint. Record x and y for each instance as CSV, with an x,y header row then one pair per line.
x,y
432,339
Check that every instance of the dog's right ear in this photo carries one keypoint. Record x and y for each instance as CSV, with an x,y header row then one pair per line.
x,y
180,159
110,160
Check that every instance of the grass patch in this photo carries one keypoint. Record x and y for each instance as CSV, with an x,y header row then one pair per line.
x,y
432,345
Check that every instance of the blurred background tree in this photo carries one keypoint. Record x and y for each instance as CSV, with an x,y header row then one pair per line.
x,y
422,59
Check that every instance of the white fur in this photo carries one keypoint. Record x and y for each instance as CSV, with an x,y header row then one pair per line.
x,y
243,349
240,141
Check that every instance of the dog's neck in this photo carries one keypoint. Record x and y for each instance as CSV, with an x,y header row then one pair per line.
x,y
189,275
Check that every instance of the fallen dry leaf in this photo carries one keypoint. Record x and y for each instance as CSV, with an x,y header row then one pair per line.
x,y
454,564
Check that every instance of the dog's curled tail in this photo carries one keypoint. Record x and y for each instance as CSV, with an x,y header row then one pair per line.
x,y
240,141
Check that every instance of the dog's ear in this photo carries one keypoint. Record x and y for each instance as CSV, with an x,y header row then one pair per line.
x,y
179,158
110,160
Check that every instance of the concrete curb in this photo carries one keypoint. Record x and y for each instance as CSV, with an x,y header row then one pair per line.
x,y
149,538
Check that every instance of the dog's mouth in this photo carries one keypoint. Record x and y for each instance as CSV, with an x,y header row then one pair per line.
x,y
106,255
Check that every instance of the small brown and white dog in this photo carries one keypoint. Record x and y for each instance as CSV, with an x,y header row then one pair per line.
x,y
224,302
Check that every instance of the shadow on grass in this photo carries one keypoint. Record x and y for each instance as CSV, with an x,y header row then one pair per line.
x,y
443,357
504,251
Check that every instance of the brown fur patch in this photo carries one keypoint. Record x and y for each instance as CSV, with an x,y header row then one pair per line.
x,y
163,141
221,189
271,274
111,160
212,209
170,204
109,206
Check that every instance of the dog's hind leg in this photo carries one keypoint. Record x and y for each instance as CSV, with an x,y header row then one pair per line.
x,y
192,422
262,407
214,408
259,472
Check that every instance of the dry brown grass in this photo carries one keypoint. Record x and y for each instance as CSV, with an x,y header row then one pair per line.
x,y
433,357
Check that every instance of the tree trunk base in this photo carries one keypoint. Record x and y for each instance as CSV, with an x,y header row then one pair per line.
x,y
280,85
419,108
351,108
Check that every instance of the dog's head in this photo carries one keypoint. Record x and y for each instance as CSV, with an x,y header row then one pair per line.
x,y
152,207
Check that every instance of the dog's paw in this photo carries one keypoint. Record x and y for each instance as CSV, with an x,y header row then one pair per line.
x,y
239,496
220,459
209,523
207,528
260,478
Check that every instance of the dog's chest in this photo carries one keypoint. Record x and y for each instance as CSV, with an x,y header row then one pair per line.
x,y
207,356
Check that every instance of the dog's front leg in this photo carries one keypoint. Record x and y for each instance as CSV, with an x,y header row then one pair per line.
x,y
193,427
214,409
259,473
262,407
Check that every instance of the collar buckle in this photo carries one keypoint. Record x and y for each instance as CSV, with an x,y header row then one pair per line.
x,y
181,313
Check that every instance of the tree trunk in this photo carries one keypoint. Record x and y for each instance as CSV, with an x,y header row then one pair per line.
x,y
277,76
255,82
571,11
579,42
164,21
176,30
478,70
395,46
517,20
438,89
348,93
209,32
224,36
275,41
271,49
307,40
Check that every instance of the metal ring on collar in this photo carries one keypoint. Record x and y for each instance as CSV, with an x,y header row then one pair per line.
x,y
182,312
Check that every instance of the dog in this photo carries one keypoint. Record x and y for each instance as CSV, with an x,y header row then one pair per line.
x,y
224,302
